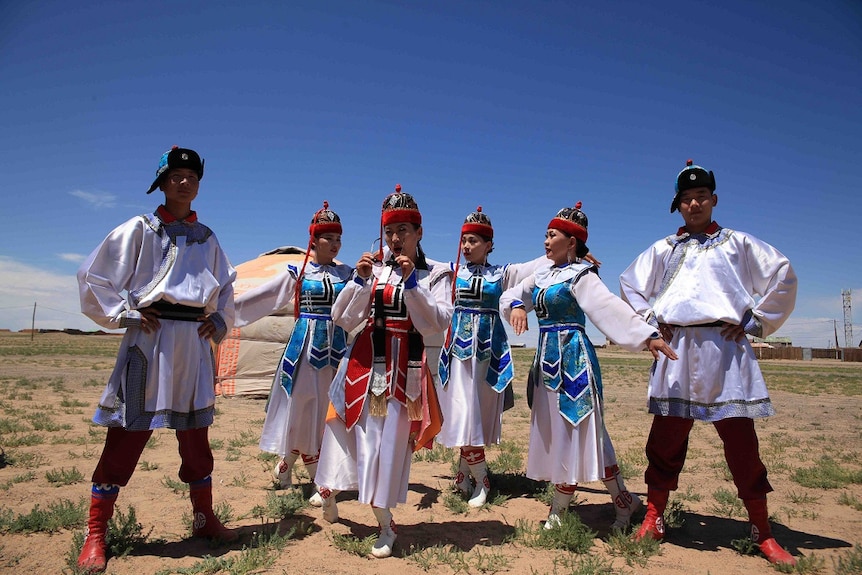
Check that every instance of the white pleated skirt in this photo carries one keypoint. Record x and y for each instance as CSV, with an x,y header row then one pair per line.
x,y
713,378
296,421
472,410
564,453
161,379
374,457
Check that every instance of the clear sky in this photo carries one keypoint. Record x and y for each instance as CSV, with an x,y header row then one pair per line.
x,y
521,107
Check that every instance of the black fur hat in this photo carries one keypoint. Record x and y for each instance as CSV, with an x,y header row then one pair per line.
x,y
178,158
691,177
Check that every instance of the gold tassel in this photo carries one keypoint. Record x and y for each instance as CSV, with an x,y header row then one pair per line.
x,y
414,409
379,405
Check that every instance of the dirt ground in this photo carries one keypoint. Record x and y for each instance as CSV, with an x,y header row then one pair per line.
x,y
807,521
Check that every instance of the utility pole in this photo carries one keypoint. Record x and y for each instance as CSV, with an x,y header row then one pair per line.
x,y
33,323
848,319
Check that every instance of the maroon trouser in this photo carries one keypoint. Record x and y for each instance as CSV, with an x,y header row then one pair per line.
x,y
123,449
668,443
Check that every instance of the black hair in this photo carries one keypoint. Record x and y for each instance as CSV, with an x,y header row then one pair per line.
x,y
581,249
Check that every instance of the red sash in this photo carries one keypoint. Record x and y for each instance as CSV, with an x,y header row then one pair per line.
x,y
358,377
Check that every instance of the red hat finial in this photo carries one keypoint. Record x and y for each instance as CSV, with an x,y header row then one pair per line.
x,y
174,147
325,205
397,188
578,205
479,209
689,162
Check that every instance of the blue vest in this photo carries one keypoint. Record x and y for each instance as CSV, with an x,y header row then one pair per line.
x,y
476,328
565,360
314,327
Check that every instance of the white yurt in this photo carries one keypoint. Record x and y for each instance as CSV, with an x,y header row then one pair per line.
x,y
246,359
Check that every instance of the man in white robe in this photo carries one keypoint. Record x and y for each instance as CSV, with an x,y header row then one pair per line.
x,y
164,278
698,287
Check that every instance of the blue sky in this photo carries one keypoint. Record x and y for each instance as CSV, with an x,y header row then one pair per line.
x,y
521,107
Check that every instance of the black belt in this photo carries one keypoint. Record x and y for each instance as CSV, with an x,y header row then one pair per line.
x,y
177,312
711,324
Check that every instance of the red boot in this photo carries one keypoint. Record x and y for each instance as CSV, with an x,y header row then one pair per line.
x,y
653,525
102,499
761,533
775,553
205,523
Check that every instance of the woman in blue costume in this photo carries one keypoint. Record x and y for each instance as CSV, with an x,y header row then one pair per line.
x,y
476,361
569,443
296,412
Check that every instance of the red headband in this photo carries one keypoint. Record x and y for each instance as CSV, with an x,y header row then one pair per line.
x,y
569,227
325,227
483,230
315,230
479,228
401,215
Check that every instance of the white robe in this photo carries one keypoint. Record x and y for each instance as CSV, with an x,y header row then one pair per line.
x,y
165,378
375,455
709,278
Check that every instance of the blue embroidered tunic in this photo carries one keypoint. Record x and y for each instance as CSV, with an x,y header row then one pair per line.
x,y
565,357
568,439
296,412
326,342
476,362
476,329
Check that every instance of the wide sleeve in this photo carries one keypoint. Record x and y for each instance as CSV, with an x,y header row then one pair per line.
x,y
774,280
430,308
521,294
611,315
225,306
267,298
516,273
107,273
352,307
641,281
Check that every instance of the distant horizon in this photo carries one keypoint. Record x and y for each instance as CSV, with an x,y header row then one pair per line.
x,y
521,345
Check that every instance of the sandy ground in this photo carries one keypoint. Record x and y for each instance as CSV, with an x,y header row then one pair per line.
x,y
808,521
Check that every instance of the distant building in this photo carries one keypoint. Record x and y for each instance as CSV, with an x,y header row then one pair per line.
x,y
771,342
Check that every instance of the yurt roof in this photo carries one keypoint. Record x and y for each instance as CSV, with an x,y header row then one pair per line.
x,y
268,264
248,356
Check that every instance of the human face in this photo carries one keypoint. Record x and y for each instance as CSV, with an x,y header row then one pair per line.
x,y
326,247
180,186
475,248
695,206
402,238
559,247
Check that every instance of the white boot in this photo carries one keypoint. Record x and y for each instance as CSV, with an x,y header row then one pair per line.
x,y
462,480
315,500
483,484
382,548
625,503
563,494
283,469
328,504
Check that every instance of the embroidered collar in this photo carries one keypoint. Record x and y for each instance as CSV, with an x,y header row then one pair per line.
x,y
169,218
712,229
